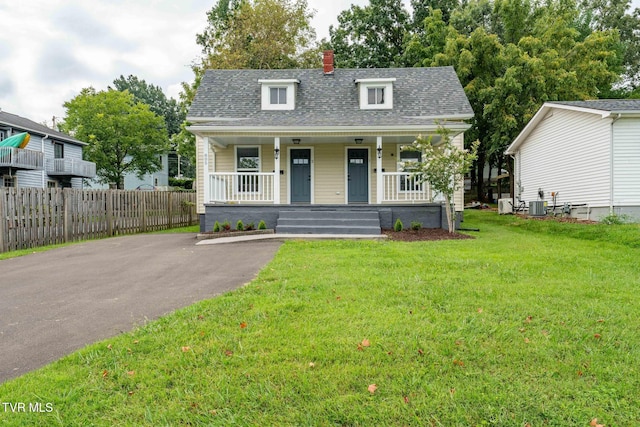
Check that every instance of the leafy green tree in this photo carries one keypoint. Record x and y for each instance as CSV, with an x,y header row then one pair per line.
x,y
422,46
155,98
423,8
123,135
443,166
475,14
259,34
507,73
370,36
173,115
219,19
603,15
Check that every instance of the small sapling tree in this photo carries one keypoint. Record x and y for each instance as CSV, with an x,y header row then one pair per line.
x,y
443,166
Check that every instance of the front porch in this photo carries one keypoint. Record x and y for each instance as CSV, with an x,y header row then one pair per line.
x,y
266,178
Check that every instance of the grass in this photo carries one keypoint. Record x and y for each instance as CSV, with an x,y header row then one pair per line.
x,y
531,323
187,229
23,252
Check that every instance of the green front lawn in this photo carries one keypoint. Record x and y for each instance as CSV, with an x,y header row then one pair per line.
x,y
531,323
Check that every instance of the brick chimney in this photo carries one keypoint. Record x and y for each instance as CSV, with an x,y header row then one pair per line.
x,y
327,62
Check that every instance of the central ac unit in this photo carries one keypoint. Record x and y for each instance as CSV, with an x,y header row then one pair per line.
x,y
505,206
537,208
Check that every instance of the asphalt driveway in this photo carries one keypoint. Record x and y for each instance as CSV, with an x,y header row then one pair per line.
x,y
55,302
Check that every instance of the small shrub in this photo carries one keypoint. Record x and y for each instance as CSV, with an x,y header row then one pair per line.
x,y
615,219
262,225
415,225
226,226
183,183
216,227
239,225
250,226
398,225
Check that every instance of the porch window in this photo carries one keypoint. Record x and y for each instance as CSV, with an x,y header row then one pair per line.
x,y
247,163
408,162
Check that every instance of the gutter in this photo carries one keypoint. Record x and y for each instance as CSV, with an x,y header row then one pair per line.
x,y
44,165
300,130
447,118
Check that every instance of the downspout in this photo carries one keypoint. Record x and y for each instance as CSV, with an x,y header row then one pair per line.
x,y
611,164
513,180
44,161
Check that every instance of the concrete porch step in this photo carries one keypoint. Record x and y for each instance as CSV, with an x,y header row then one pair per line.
x,y
329,214
328,222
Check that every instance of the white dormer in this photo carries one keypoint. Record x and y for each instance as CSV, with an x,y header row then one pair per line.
x,y
376,94
279,94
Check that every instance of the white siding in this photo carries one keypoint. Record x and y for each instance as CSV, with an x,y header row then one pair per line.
x,y
568,152
626,162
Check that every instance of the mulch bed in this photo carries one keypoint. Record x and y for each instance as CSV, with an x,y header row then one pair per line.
x,y
423,234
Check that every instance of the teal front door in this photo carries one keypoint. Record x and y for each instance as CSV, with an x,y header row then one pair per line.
x,y
300,175
358,175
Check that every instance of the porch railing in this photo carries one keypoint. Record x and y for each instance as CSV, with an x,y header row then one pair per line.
x,y
238,187
21,158
402,187
71,167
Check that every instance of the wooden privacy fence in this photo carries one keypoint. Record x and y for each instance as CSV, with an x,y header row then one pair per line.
x,y
31,217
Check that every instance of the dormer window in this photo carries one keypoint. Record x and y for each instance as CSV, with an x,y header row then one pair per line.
x,y
376,94
279,94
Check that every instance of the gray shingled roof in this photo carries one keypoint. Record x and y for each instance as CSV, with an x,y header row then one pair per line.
x,y
612,105
22,124
330,100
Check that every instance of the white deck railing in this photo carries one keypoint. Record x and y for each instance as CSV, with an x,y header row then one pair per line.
x,y
403,187
241,187
247,187
21,158
71,167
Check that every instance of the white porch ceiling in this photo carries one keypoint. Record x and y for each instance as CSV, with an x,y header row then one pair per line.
x,y
226,140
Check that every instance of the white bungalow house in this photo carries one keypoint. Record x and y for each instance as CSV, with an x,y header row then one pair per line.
x,y
587,152
299,147
50,159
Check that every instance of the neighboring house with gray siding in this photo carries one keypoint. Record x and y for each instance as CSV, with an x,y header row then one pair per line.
x,y
586,151
50,159
158,180
320,140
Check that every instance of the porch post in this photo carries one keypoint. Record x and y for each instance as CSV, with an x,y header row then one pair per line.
x,y
205,168
276,170
379,178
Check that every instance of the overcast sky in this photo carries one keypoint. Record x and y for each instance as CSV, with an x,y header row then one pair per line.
x,y
51,49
